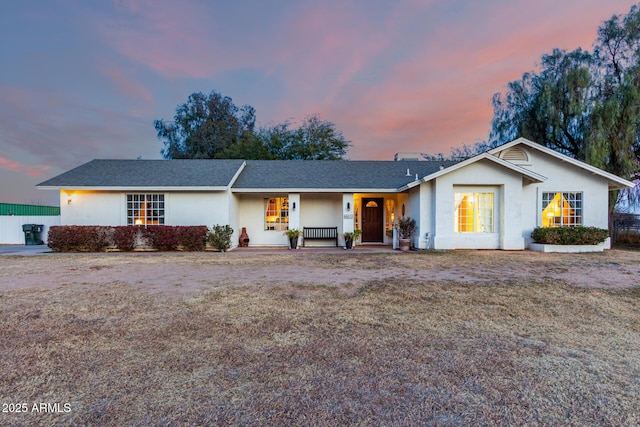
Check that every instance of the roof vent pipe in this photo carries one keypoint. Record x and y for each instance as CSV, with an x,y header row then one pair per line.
x,y
416,177
441,167
408,174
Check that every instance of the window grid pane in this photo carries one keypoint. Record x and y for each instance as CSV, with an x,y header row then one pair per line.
x,y
561,209
145,209
276,214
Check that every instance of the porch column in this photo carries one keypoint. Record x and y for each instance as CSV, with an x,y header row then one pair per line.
x,y
294,211
347,212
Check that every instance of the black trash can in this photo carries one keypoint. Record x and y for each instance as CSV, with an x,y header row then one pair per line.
x,y
33,234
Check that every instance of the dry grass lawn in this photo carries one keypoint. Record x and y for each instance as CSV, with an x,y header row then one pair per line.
x,y
455,338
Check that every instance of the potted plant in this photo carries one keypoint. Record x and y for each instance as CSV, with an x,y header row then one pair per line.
x,y
349,237
293,234
406,227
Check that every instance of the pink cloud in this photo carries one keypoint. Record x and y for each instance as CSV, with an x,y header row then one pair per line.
x,y
441,96
28,170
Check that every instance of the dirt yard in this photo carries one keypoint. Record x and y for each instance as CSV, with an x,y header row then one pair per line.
x,y
186,273
320,338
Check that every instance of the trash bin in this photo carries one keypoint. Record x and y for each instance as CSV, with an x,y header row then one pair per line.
x,y
33,234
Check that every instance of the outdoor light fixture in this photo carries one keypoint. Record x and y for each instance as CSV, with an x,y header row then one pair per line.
x,y
348,206
69,198
293,207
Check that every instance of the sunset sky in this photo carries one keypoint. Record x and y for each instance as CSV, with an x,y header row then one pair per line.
x,y
85,79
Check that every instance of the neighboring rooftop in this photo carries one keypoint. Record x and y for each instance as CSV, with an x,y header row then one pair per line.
x,y
9,209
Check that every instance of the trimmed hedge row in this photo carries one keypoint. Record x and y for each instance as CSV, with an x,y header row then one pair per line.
x,y
570,235
90,238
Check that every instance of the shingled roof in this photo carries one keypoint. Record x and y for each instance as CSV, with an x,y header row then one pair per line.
x,y
256,175
333,174
148,173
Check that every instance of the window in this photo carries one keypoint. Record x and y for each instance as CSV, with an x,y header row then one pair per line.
x,y
390,207
145,209
561,209
276,213
474,212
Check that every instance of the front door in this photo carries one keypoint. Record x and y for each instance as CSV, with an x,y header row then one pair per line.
x,y
372,220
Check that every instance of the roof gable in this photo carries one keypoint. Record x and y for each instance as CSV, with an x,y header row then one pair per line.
x,y
526,174
615,182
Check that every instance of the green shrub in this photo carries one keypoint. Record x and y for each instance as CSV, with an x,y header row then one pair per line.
x,y
78,238
220,237
570,235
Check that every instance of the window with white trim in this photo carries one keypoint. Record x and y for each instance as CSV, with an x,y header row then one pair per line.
x,y
276,213
561,209
474,213
145,209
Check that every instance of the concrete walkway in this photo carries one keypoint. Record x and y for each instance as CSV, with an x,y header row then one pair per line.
x,y
23,250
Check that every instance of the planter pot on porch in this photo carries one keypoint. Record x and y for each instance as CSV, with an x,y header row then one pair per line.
x,y
293,242
348,243
404,244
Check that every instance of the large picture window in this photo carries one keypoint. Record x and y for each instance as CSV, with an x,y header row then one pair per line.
x,y
561,209
145,209
474,213
276,213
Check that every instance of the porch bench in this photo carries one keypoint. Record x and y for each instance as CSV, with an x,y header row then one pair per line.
x,y
319,233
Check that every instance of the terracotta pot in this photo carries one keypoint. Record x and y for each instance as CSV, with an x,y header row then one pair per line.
x,y
244,238
405,244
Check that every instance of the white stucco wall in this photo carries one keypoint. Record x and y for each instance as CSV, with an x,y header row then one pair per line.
x,y
479,177
92,208
321,210
197,208
563,177
110,208
312,210
251,208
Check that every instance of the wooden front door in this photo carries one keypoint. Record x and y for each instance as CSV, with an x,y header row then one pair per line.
x,y
372,220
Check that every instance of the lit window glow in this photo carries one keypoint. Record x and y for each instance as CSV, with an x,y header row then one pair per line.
x,y
276,213
561,209
474,212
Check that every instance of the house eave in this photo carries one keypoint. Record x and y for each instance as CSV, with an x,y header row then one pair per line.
x,y
313,190
132,188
